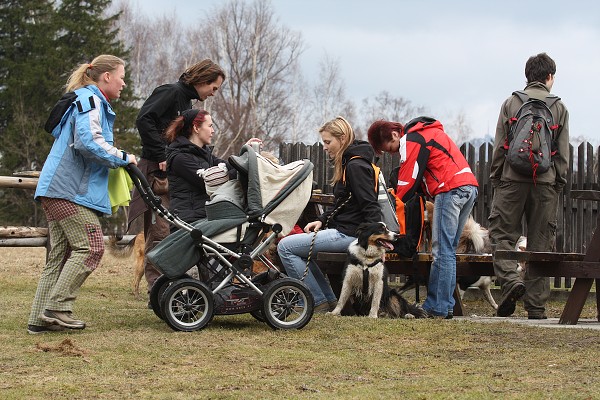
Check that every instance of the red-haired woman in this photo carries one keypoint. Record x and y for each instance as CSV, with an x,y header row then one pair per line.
x,y
188,155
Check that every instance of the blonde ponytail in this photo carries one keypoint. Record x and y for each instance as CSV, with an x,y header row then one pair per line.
x,y
89,74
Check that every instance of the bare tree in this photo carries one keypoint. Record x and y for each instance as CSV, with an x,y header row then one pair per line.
x,y
329,98
385,106
160,48
459,129
300,128
259,57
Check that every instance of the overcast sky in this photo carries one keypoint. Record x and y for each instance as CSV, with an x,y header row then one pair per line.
x,y
448,56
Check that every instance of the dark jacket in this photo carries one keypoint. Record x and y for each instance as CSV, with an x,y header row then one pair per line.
x,y
360,181
164,104
187,193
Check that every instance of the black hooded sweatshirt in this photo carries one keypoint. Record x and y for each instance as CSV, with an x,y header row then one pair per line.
x,y
360,181
164,104
187,192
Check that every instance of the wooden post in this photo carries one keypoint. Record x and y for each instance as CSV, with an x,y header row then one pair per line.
x,y
18,182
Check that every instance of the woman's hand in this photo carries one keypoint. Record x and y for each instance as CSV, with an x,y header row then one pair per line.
x,y
313,226
131,159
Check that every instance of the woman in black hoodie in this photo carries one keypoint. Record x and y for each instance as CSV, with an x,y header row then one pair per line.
x,y
337,226
189,154
199,82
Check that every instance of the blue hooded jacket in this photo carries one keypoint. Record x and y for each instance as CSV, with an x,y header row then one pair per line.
x,y
76,168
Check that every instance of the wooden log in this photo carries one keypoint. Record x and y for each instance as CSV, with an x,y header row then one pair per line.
x,y
27,174
537,256
24,242
41,241
22,232
18,182
123,241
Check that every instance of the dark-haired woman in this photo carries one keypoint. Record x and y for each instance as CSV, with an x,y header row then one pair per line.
x,y
199,82
189,154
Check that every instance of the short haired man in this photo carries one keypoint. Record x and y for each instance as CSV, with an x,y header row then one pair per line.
x,y
533,196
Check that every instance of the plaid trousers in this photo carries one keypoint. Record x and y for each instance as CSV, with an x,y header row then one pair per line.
x,y
76,249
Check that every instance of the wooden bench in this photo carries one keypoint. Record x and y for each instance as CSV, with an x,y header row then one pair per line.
x,y
546,264
332,264
584,267
574,265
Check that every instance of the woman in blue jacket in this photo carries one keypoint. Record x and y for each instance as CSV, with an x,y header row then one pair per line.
x,y
73,191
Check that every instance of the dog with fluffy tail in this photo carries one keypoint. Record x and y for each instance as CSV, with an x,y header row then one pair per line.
x,y
475,239
365,277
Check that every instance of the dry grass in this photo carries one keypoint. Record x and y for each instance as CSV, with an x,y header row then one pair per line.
x,y
126,352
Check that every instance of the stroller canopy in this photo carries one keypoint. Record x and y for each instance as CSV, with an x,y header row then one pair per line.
x,y
274,193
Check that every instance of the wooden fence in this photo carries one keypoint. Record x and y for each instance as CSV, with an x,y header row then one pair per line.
x,y
576,218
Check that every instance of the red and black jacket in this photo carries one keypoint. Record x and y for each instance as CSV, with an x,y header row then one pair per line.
x,y
430,158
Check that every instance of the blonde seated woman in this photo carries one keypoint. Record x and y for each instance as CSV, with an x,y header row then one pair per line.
x,y
355,203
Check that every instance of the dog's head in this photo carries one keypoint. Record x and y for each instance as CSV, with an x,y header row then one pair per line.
x,y
376,234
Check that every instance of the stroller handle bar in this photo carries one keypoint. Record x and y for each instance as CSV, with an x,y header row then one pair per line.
x,y
152,200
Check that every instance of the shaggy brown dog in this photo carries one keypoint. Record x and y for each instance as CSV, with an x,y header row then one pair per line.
x,y
475,239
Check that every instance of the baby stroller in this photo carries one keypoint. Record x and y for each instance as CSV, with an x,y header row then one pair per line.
x,y
244,216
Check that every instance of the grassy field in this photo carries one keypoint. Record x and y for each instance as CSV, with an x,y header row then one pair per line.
x,y
127,352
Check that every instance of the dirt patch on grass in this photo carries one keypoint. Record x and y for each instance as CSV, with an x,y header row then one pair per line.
x,y
64,348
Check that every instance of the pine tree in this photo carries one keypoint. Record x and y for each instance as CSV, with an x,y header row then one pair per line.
x,y
27,81
41,42
88,32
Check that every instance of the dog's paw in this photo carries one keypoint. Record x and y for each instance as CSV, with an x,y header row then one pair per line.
x,y
409,316
335,313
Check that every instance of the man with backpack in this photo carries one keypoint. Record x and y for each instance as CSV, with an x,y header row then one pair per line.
x,y
528,172
431,162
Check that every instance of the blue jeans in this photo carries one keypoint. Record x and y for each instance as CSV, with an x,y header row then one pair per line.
x,y
451,211
293,251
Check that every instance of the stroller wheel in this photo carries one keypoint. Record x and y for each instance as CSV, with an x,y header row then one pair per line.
x,y
287,304
159,287
187,305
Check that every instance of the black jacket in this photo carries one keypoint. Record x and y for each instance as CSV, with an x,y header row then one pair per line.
x,y
360,181
187,193
164,104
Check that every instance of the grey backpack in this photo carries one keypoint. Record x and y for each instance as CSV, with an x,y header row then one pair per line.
x,y
530,143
